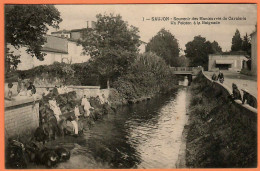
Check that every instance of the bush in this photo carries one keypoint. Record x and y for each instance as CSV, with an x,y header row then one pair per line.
x,y
147,75
67,74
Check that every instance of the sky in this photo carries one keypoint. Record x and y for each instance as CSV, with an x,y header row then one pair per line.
x,y
76,16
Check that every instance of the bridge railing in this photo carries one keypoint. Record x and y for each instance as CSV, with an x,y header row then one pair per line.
x,y
183,70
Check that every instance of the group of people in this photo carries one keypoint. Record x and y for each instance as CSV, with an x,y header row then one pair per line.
x,y
249,99
23,89
57,89
220,77
85,105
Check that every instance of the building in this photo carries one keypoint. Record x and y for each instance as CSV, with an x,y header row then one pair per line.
x,y
142,47
254,53
75,34
232,61
78,34
61,33
57,49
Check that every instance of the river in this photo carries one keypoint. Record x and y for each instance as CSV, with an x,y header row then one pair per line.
x,y
143,135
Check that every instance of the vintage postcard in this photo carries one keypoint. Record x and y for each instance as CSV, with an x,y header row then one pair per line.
x,y
130,86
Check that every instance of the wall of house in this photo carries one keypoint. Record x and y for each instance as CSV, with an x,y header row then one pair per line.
x,y
236,66
49,59
254,54
75,53
75,35
21,117
25,58
28,62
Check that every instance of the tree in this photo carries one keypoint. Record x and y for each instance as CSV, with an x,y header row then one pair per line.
x,y
198,50
26,26
11,60
236,42
183,61
165,45
246,44
112,45
215,47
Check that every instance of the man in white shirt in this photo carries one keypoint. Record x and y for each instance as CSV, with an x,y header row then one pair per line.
x,y
85,103
55,108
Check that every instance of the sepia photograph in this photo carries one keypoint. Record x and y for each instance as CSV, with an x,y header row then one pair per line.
x,y
130,86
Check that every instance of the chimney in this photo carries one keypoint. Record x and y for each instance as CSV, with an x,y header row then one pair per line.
x,y
87,24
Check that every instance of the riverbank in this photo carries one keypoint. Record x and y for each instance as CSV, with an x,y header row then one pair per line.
x,y
221,133
117,99
66,103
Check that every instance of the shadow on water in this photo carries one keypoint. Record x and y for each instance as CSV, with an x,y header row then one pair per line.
x,y
144,135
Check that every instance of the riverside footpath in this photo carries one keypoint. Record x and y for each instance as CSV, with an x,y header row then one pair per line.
x,y
242,81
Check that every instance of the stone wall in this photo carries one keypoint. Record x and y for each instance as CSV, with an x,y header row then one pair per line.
x,y
89,91
21,117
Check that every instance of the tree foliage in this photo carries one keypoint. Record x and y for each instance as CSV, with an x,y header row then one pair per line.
x,y
11,60
183,61
236,41
165,45
215,47
148,74
198,50
246,44
26,25
112,45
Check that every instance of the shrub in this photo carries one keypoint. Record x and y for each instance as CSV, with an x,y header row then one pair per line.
x,y
68,74
147,75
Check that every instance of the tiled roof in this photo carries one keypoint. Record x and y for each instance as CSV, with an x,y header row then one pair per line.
x,y
48,49
78,30
61,31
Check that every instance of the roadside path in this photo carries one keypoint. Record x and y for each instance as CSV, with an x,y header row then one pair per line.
x,y
242,81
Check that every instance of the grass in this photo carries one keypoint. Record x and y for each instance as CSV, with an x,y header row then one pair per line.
x,y
218,134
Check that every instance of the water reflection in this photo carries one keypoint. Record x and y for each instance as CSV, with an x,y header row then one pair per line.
x,y
144,135
184,81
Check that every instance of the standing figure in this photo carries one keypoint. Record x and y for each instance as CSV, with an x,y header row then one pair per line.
x,y
32,88
23,90
214,77
86,105
249,99
55,108
19,84
10,93
236,93
76,112
221,77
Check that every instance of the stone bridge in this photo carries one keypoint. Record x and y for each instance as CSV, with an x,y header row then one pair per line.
x,y
186,70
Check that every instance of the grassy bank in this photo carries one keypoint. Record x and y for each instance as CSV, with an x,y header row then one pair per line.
x,y
218,136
